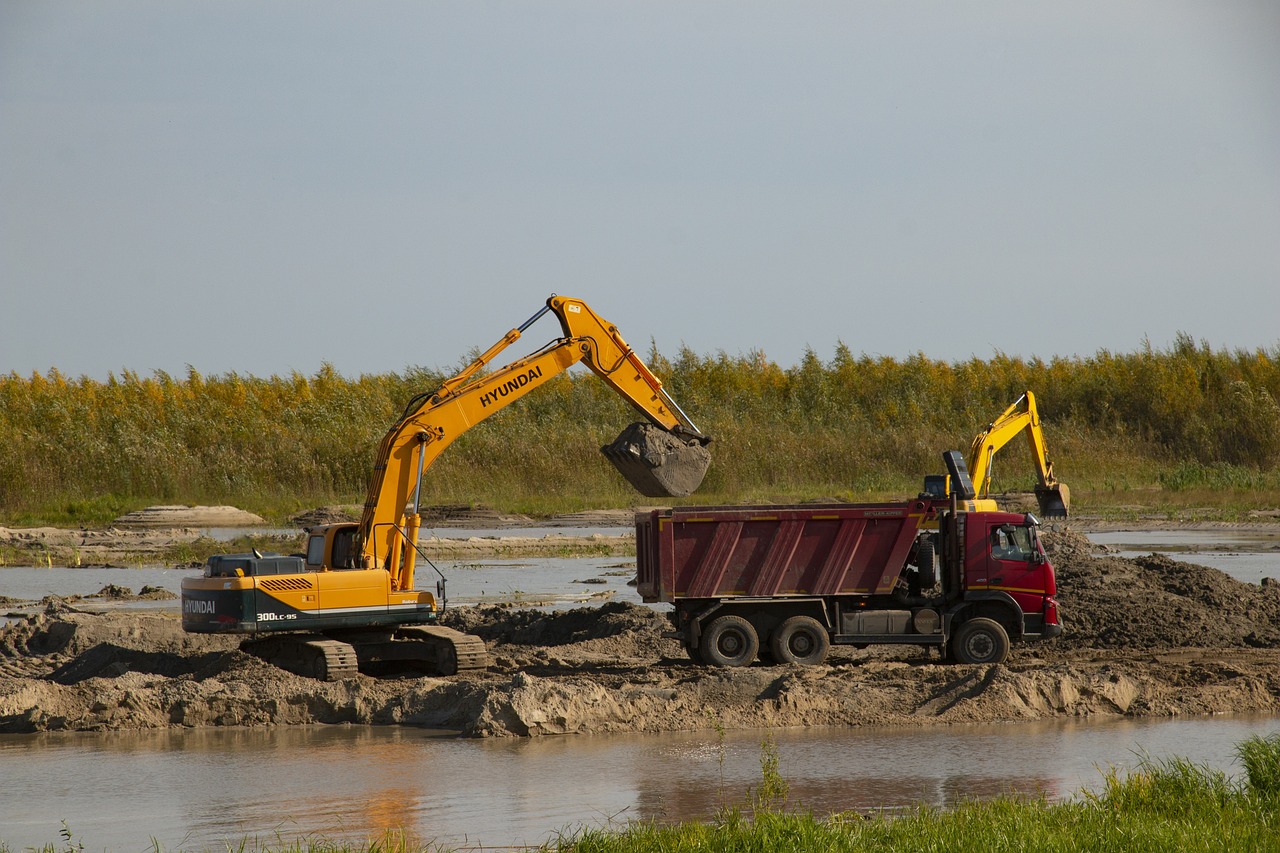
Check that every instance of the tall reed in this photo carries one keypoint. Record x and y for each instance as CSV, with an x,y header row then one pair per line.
x,y
1180,419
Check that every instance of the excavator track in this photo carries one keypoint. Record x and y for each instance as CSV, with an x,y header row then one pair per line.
x,y
308,655
455,651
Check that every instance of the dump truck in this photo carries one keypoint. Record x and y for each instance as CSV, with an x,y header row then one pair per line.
x,y
350,602
786,582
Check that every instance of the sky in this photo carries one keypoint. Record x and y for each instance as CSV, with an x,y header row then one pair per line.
x,y
231,185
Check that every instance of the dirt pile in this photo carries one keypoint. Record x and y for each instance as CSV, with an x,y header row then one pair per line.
x,y
1155,602
323,515
189,516
115,592
1144,637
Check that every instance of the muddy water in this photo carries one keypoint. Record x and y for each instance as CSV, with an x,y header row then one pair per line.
x,y
1246,555
199,789
557,581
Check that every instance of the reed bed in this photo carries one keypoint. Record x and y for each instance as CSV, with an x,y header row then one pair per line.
x,y
1191,423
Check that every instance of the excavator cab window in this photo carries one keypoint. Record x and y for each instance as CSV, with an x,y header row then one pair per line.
x,y
343,540
315,550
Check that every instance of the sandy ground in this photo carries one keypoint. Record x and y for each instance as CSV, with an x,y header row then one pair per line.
x,y
1145,637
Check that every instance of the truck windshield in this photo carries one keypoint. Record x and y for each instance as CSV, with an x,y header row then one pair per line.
x,y
1013,543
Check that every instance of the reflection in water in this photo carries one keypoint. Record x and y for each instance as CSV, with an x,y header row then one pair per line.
x,y
207,788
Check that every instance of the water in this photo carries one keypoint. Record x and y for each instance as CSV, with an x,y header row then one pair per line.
x,y
554,581
1246,555
204,788
226,534
533,581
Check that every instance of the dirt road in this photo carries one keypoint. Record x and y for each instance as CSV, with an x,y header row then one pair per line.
x,y
1145,637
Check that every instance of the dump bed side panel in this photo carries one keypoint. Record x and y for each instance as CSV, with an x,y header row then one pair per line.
x,y
720,552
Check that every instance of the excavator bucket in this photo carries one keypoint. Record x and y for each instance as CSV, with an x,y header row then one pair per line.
x,y
1055,501
658,463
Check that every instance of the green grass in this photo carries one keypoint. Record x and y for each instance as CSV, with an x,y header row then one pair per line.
x,y
1176,428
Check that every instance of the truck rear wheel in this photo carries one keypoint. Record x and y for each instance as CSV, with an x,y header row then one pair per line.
x,y
980,641
800,639
729,641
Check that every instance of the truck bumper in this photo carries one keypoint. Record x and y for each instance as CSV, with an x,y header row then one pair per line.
x,y
1034,628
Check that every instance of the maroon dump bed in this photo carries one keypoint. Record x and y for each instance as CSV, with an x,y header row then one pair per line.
x,y
774,551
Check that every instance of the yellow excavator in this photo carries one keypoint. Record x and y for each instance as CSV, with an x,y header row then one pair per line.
x,y
349,603
1022,417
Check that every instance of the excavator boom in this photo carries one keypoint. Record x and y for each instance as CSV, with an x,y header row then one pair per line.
x,y
1022,417
665,458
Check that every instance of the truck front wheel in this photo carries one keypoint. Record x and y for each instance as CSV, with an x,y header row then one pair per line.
x,y
800,639
980,641
729,641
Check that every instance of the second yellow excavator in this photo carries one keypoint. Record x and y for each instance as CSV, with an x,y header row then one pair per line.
x,y
1022,417
350,601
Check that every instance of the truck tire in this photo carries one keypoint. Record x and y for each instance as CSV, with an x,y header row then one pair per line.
x,y
800,639
729,641
926,563
980,641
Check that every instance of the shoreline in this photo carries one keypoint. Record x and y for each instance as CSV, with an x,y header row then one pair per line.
x,y
188,544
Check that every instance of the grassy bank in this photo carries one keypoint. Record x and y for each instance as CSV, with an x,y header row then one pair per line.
x,y
1186,427
1169,805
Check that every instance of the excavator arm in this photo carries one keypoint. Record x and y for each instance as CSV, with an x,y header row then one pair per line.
x,y
1021,417
431,422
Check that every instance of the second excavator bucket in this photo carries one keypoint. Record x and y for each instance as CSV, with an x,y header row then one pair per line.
x,y
658,463
1054,501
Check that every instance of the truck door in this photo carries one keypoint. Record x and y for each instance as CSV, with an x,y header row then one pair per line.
x,y
1015,564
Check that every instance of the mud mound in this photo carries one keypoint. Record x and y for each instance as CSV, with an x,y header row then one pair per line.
x,y
113,591
464,515
109,660
1155,602
533,627
616,636
323,515
71,633
189,516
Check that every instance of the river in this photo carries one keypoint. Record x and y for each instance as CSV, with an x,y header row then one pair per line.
x,y
203,789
